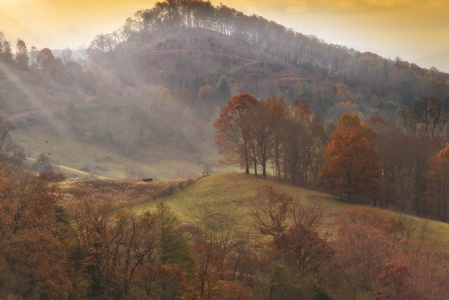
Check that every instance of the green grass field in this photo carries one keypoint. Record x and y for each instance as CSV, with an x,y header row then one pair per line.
x,y
229,196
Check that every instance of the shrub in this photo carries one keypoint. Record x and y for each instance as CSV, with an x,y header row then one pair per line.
x,y
171,189
52,176
42,163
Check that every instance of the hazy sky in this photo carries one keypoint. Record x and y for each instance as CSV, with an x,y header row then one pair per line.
x,y
415,30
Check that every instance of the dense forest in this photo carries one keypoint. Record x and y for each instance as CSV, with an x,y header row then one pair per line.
x,y
187,58
398,163
77,247
372,81
281,105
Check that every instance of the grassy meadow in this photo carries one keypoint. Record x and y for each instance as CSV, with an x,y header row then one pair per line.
x,y
230,197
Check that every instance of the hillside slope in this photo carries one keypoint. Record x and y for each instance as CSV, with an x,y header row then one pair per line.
x,y
145,115
143,100
196,57
112,137
230,197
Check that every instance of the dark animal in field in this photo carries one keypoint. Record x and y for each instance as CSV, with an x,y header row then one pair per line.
x,y
147,179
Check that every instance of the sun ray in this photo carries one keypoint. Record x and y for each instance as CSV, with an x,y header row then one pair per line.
x,y
38,25
38,106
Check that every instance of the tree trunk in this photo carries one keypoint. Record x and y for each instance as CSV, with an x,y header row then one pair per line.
x,y
255,167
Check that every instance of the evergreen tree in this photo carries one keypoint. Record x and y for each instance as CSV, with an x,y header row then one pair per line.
x,y
6,54
21,55
224,89
172,244
42,163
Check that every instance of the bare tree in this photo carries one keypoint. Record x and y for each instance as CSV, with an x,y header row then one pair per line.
x,y
433,116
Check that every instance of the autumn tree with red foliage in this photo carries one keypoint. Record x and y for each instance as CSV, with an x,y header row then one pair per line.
x,y
377,260
233,136
366,242
396,281
352,166
295,243
353,121
362,250
262,133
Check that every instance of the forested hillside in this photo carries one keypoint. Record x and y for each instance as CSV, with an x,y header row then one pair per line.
x,y
187,88
142,102
170,69
242,239
259,57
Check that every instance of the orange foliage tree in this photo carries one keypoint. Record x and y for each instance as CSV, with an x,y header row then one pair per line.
x,y
32,258
353,121
342,93
352,166
349,121
233,136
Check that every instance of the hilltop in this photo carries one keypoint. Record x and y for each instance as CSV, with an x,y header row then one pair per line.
x,y
141,101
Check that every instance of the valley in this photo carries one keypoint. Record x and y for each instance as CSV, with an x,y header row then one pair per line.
x,y
277,165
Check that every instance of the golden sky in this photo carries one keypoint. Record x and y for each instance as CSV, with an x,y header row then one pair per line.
x,y
415,30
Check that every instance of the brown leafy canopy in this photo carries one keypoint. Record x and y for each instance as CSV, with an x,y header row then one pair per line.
x,y
32,228
342,93
119,255
88,249
437,178
286,136
352,166
377,261
93,250
233,136
225,260
349,121
302,111
371,217
433,118
295,242
353,121
405,148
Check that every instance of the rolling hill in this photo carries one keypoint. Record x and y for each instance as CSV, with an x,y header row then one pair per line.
x,y
230,197
140,102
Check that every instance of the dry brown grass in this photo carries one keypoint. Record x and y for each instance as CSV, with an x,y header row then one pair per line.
x,y
120,192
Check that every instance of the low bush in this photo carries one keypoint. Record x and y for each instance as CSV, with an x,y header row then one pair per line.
x,y
52,176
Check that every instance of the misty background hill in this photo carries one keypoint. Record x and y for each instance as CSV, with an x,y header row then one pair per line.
x,y
141,101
